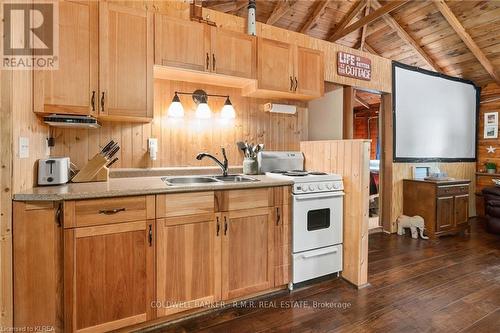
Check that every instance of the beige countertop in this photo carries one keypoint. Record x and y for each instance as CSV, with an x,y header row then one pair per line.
x,y
117,187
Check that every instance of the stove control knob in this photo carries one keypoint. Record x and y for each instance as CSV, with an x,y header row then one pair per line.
x,y
304,189
336,186
320,186
311,187
329,186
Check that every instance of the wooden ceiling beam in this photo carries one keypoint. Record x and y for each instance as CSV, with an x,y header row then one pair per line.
x,y
370,49
365,27
407,38
282,7
229,6
353,11
313,19
467,39
361,101
387,8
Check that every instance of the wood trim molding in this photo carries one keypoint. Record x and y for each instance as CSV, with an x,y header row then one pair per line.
x,y
389,7
467,39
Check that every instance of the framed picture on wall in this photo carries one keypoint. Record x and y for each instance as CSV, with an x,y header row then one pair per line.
x,y
491,125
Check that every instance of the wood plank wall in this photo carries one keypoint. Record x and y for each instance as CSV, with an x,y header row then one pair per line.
x,y
361,120
349,158
489,93
180,140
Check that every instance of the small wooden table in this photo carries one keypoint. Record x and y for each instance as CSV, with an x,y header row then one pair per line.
x,y
444,204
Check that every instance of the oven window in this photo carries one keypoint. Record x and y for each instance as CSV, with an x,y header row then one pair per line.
x,y
318,219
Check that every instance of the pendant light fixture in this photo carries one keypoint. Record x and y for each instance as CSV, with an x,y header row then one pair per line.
x,y
176,110
203,111
227,111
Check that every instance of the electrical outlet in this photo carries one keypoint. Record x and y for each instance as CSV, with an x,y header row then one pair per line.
x,y
153,148
24,147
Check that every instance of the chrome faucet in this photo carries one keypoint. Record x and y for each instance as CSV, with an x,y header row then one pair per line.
x,y
223,165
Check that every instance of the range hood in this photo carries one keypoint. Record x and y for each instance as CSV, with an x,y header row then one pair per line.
x,y
59,120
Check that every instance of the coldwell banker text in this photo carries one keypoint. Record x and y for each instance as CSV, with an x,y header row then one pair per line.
x,y
354,66
31,35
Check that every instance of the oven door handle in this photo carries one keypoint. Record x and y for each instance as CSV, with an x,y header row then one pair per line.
x,y
318,195
317,253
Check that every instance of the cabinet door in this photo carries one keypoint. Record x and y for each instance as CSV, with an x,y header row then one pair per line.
x,y
125,63
445,212
461,209
233,53
187,262
108,276
275,64
309,72
247,252
71,89
182,43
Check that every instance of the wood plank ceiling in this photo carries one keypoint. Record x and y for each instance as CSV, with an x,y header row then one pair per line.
x,y
458,38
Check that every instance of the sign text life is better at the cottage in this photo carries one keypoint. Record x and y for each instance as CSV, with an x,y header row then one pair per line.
x,y
354,66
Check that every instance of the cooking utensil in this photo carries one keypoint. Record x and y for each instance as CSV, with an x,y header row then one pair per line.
x,y
112,162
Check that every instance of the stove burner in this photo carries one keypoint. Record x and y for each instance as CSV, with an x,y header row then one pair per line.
x,y
282,172
296,173
317,173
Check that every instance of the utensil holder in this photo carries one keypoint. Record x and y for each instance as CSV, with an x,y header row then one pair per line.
x,y
250,166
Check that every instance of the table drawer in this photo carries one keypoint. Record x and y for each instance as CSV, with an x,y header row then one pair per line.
x,y
251,198
113,210
179,204
452,190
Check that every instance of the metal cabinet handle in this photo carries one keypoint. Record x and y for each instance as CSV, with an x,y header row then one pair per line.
x,y
111,211
225,226
296,84
213,62
291,83
278,216
59,214
208,62
92,100
218,226
150,235
102,102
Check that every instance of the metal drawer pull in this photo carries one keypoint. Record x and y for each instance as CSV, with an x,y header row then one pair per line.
x,y
111,211
296,84
291,83
92,101
319,253
150,235
225,226
213,62
278,217
208,62
218,226
102,102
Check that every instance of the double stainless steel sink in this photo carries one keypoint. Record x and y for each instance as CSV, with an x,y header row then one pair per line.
x,y
196,180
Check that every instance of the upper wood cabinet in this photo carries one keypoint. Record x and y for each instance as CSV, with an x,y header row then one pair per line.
x,y
108,276
182,43
199,47
105,64
187,262
287,71
73,88
125,63
247,252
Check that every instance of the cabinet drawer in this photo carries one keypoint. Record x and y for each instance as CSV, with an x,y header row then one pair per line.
x,y
247,199
104,211
452,190
170,205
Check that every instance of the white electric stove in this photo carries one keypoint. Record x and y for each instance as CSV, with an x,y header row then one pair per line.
x,y
317,200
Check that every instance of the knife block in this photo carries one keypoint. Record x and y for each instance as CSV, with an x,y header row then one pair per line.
x,y
94,171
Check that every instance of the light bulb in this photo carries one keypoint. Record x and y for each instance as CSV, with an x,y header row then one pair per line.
x,y
176,110
203,111
227,111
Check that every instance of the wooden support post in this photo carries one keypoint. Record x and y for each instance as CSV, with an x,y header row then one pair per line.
x,y
386,162
348,116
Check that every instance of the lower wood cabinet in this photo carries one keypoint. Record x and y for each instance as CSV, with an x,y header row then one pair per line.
x,y
247,252
108,276
187,262
444,205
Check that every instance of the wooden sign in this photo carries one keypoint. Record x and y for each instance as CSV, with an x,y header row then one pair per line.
x,y
354,66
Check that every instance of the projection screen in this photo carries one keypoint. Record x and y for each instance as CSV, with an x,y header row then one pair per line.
x,y
434,116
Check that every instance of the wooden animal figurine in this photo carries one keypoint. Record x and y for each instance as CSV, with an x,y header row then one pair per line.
x,y
414,223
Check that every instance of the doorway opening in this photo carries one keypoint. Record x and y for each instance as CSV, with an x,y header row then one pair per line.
x,y
366,125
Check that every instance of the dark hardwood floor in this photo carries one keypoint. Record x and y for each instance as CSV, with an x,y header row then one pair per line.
x,y
448,285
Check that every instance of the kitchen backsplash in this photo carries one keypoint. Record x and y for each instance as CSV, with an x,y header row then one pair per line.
x,y
179,140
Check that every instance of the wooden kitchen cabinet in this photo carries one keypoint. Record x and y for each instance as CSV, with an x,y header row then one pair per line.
x,y
73,87
247,252
444,205
188,262
125,63
287,71
201,49
108,276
